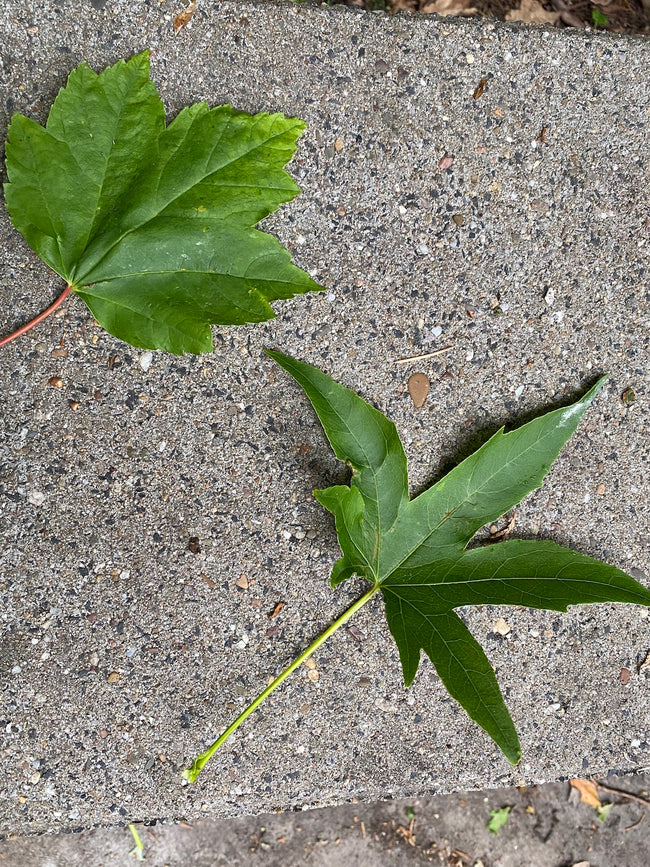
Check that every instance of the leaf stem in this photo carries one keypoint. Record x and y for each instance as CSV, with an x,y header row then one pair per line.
x,y
39,318
194,770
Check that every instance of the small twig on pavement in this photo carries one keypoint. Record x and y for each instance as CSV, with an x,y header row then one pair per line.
x,y
422,357
636,824
623,794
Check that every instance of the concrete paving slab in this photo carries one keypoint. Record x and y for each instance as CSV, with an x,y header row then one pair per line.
x,y
125,648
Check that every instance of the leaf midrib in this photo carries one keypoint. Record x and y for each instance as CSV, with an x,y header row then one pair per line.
x,y
447,516
121,303
469,581
200,271
460,664
374,568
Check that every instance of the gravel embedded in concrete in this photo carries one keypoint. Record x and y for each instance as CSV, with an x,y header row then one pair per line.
x,y
127,646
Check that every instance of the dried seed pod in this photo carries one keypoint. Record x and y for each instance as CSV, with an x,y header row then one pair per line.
x,y
418,386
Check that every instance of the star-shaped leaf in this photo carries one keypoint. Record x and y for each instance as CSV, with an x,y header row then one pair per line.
x,y
152,225
415,551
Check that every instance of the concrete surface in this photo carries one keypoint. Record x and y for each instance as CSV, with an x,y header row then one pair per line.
x,y
548,826
127,648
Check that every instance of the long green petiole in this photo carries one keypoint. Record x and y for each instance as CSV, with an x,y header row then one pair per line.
x,y
197,765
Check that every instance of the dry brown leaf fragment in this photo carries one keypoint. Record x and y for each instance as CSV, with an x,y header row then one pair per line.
x,y
497,535
406,833
532,12
481,87
448,7
395,5
355,633
588,792
278,608
183,18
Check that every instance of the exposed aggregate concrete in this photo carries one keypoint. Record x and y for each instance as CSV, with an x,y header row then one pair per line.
x,y
125,651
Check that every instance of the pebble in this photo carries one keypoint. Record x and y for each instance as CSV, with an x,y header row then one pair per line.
x,y
36,498
501,627
145,360
629,396
113,677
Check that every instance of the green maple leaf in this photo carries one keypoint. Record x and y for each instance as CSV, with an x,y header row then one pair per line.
x,y
414,552
152,225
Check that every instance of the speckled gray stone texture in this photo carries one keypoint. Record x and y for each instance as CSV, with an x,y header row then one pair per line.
x,y
543,285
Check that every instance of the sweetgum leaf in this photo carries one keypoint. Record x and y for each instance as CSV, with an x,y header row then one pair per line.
x,y
153,226
415,551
